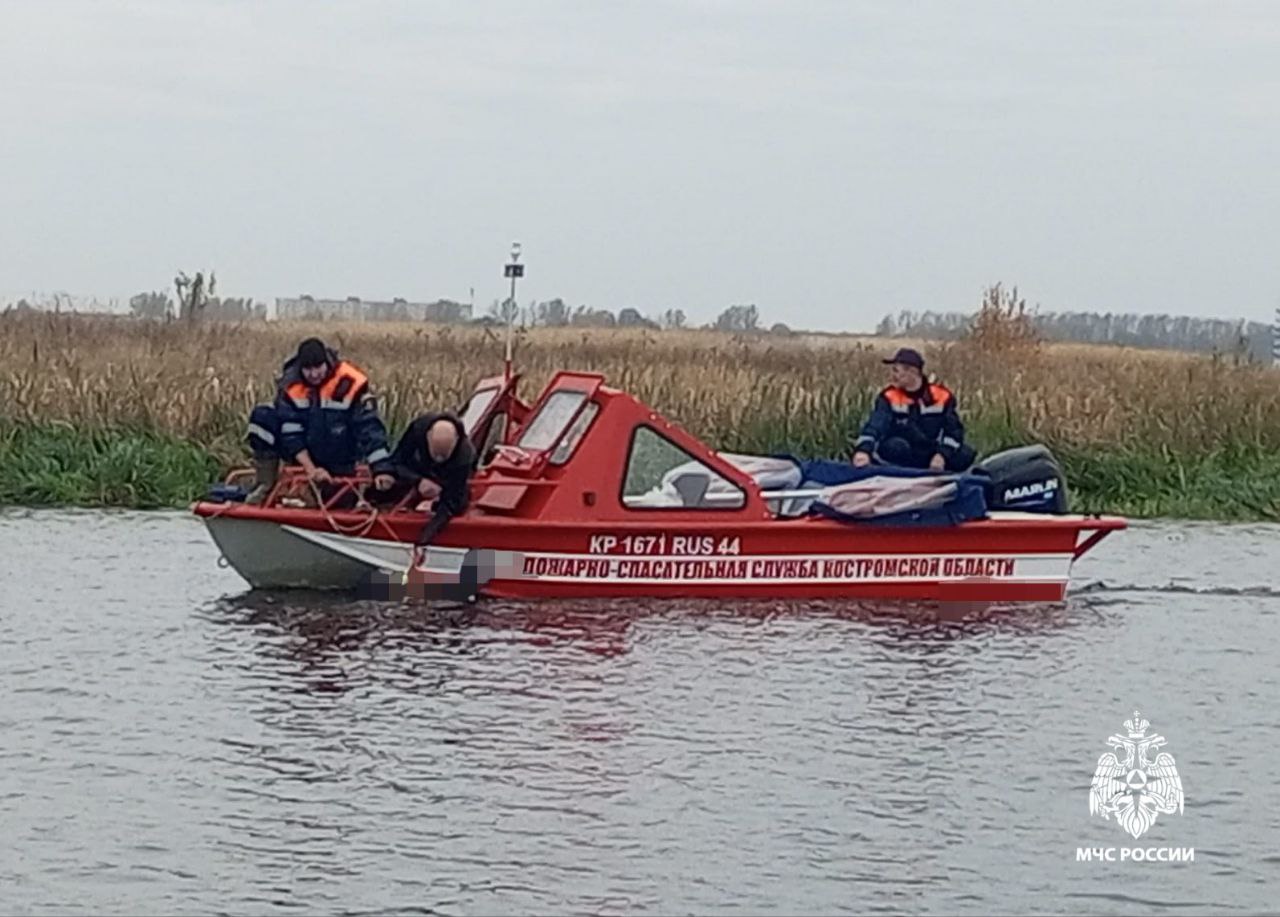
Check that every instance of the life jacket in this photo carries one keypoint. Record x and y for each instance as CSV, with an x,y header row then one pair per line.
x,y
932,399
337,393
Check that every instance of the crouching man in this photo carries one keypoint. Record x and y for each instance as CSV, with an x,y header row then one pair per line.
x,y
324,418
436,459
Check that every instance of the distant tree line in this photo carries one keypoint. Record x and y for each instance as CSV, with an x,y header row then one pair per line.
x,y
159,305
195,302
555,313
1167,332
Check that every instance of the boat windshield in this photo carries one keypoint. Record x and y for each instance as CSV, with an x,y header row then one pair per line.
x,y
479,403
575,434
551,420
661,475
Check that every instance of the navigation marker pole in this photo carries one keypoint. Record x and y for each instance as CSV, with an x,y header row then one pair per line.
x,y
512,270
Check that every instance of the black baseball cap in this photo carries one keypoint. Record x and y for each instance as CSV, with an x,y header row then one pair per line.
x,y
908,356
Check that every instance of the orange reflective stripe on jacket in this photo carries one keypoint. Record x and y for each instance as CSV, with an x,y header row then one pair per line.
x,y
300,394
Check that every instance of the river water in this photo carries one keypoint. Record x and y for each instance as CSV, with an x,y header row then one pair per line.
x,y
171,743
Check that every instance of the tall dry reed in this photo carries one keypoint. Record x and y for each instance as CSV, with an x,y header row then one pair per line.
x,y
804,394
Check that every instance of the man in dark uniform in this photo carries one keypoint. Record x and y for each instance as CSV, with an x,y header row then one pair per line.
x,y
324,418
914,423
435,458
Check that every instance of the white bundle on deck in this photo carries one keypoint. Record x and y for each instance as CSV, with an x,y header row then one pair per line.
x,y
769,473
779,480
884,495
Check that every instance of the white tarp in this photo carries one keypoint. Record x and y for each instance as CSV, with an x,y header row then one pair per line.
x,y
769,473
884,495
881,495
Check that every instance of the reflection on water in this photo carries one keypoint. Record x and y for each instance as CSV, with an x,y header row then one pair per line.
x,y
177,744
307,625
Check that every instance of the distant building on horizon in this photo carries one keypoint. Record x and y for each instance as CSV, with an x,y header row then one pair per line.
x,y
353,308
1275,339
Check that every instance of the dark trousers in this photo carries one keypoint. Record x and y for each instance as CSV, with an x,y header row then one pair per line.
x,y
264,432
897,451
264,440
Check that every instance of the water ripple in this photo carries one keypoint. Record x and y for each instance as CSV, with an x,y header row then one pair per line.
x,y
176,744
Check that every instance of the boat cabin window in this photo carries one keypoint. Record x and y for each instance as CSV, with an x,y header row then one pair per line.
x,y
476,406
497,433
575,434
661,475
550,420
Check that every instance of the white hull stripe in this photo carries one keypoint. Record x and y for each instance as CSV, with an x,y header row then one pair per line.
x,y
834,569
764,569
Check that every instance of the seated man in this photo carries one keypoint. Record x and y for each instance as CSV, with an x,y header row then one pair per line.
x,y
913,424
435,458
324,418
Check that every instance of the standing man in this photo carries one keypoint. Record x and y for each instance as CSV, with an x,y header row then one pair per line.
x,y
324,418
913,424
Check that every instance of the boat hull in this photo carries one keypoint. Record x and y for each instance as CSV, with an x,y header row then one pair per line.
x,y
270,555
1017,557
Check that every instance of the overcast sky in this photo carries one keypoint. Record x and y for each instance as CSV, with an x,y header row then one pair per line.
x,y
828,162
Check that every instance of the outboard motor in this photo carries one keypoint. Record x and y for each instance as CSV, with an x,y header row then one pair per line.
x,y
1027,479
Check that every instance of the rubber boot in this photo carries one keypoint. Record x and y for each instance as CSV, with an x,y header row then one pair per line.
x,y
265,473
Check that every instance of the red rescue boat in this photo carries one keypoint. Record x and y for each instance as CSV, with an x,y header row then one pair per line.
x,y
591,493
